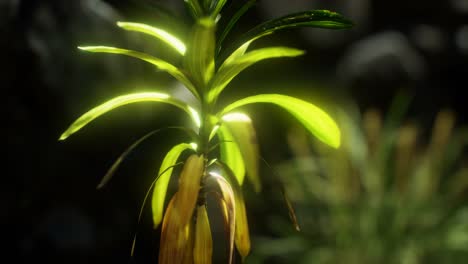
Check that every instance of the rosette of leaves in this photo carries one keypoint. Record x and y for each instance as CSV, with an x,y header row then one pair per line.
x,y
395,192
186,235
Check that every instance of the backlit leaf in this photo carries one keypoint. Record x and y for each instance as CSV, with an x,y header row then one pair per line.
x,y
314,119
230,153
160,188
199,60
242,130
233,66
161,64
158,33
124,100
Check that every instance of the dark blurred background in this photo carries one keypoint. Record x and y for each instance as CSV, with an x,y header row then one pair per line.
x,y
51,210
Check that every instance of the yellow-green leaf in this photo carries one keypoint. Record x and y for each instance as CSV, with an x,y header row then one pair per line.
x,y
160,187
241,127
161,64
199,60
234,65
158,33
230,153
124,100
314,119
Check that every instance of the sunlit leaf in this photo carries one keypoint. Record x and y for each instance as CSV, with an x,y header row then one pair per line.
x,y
314,119
230,153
241,127
161,64
203,248
160,188
228,206
232,67
242,235
199,59
158,33
124,100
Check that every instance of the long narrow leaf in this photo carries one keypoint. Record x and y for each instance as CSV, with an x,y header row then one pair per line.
x,y
158,33
240,12
124,100
243,132
228,206
314,119
161,64
312,18
242,235
232,67
160,188
230,153
199,60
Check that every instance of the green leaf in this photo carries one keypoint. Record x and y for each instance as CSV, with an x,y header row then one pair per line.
x,y
158,33
194,8
124,100
199,60
216,7
160,188
312,18
233,66
161,64
243,132
233,21
315,120
230,153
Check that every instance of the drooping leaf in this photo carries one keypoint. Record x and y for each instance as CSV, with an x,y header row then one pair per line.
x,y
199,59
240,12
241,127
311,18
230,153
160,188
189,186
153,183
161,64
203,248
124,100
107,177
242,235
314,119
158,33
228,205
175,235
232,67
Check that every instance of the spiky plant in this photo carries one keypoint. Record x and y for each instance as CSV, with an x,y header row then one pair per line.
x,y
186,235
393,193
